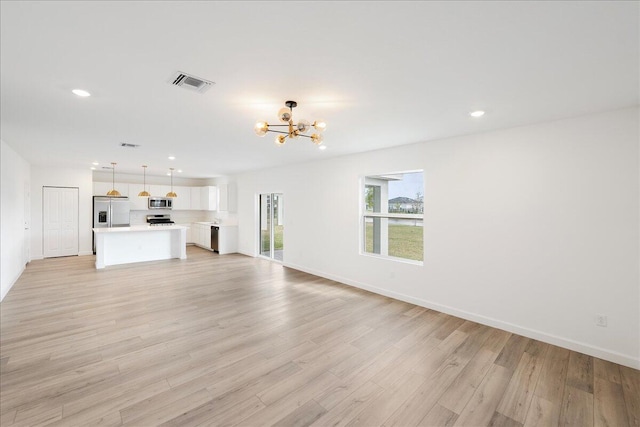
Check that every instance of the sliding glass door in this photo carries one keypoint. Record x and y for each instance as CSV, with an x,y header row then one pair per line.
x,y
272,226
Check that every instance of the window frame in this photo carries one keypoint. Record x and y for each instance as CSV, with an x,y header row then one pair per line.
x,y
364,215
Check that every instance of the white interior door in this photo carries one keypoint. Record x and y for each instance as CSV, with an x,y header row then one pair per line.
x,y
60,221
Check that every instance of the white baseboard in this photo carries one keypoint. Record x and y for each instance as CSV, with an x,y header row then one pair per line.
x,y
4,292
83,253
612,356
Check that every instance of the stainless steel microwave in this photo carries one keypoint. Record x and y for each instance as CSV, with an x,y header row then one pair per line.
x,y
160,203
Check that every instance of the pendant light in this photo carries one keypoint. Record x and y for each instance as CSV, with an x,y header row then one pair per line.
x,y
144,192
113,192
171,193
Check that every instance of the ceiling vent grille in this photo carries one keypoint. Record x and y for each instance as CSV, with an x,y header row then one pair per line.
x,y
190,82
127,145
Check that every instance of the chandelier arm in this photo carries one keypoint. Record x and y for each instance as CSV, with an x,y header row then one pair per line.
x,y
278,131
278,125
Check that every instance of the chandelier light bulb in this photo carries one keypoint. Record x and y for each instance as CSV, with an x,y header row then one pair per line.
x,y
303,126
284,114
317,139
319,125
261,128
280,140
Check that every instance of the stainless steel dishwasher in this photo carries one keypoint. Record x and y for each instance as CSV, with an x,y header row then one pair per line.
x,y
214,238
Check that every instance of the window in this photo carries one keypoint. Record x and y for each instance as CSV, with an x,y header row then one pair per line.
x,y
392,218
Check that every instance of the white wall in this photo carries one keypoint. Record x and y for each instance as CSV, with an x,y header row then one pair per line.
x,y
59,177
14,217
532,229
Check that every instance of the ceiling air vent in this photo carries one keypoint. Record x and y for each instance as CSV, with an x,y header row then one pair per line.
x,y
127,145
187,81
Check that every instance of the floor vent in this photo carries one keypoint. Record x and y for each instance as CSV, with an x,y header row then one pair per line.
x,y
190,82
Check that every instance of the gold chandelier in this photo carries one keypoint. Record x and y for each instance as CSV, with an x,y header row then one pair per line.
x,y
294,130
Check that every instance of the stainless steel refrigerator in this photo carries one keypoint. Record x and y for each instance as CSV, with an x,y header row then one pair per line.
x,y
109,212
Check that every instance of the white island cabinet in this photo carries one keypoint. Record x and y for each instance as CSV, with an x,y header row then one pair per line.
x,y
125,245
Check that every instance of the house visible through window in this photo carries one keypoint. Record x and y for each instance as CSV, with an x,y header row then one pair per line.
x,y
393,215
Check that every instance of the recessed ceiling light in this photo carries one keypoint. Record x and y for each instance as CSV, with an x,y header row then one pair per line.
x,y
92,168
322,147
172,157
168,173
80,92
478,113
95,163
179,170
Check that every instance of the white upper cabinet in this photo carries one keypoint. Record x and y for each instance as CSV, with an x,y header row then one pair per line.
x,y
102,188
183,201
196,198
159,190
209,198
223,197
226,197
138,203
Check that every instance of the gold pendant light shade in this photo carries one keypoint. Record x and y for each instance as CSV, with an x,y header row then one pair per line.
x,y
113,192
171,193
144,192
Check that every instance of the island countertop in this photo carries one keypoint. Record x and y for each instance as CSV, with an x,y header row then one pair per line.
x,y
139,228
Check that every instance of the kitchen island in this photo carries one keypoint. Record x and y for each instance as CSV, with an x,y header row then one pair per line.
x,y
125,245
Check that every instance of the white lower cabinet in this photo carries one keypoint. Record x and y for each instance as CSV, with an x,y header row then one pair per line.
x,y
227,237
201,234
227,240
205,236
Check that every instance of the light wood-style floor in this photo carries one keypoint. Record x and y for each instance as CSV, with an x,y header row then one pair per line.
x,y
231,340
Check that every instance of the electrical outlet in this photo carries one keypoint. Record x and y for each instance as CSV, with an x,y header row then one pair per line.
x,y
601,320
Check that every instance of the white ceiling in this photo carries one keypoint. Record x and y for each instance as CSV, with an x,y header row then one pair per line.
x,y
380,73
